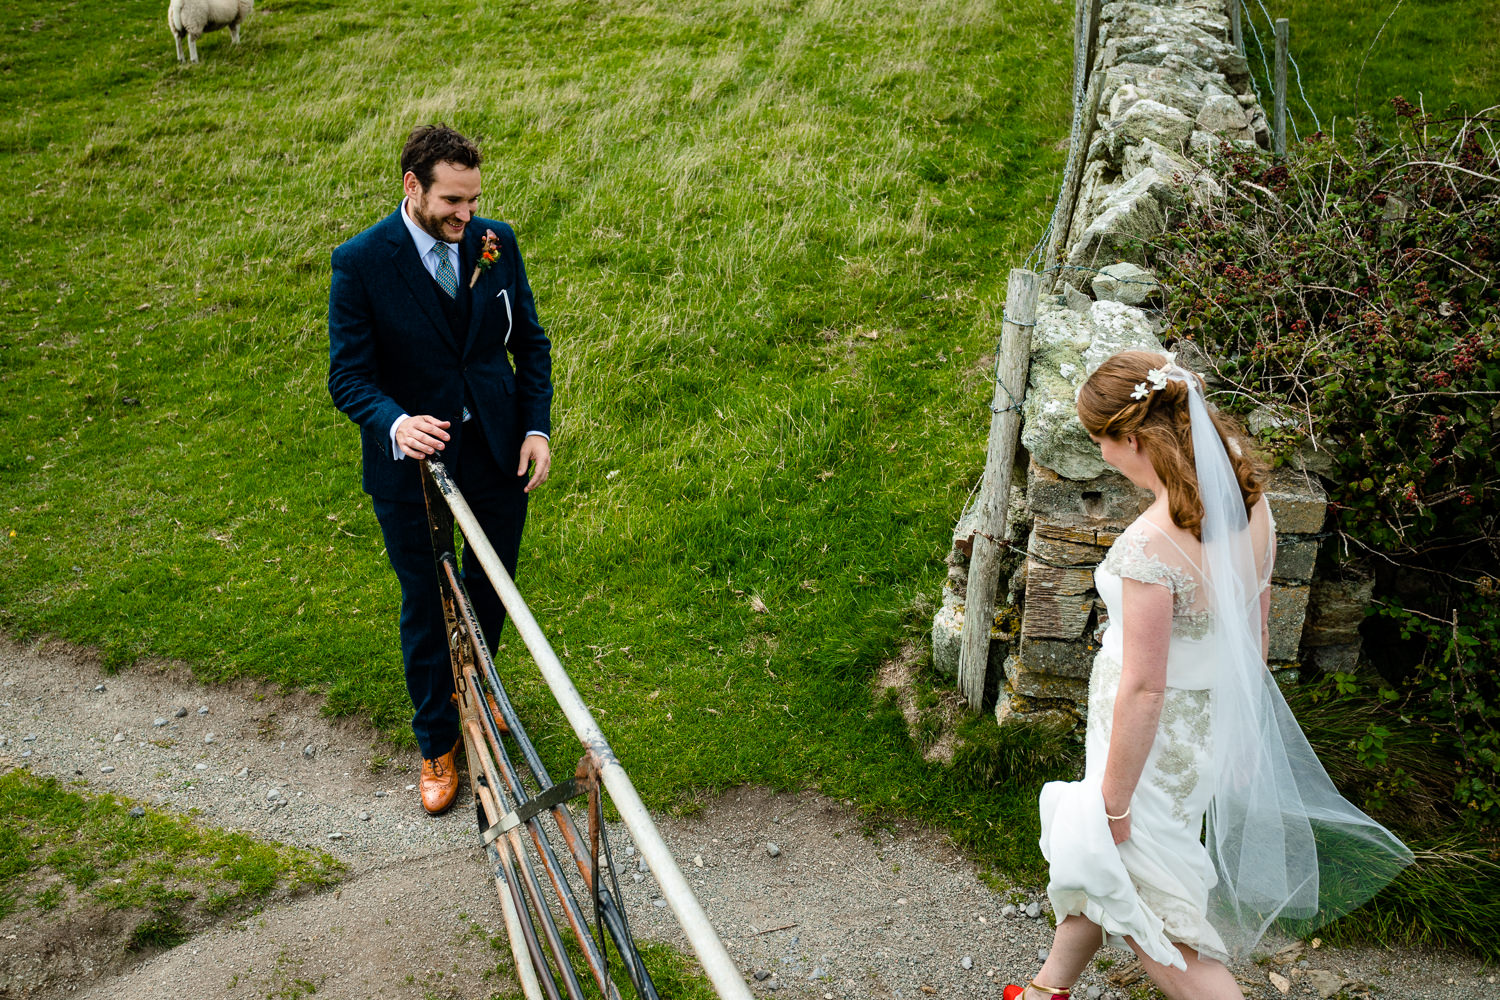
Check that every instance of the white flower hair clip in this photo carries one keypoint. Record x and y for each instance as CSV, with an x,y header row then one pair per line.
x,y
1156,377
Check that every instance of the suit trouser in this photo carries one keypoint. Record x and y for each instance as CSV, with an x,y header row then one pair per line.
x,y
499,504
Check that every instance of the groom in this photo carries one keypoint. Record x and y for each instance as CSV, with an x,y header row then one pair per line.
x,y
423,309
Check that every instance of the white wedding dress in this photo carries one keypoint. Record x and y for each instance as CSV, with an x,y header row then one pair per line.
x,y
1154,887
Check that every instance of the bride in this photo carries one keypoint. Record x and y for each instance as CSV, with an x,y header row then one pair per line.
x,y
1203,815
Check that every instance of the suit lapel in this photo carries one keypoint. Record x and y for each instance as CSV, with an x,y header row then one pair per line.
x,y
423,290
478,295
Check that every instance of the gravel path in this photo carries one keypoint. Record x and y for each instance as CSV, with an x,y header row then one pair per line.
x,y
838,911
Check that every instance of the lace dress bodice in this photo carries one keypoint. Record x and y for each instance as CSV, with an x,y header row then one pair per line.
x,y
1146,552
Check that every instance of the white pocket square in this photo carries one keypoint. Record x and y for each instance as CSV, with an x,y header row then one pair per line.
x,y
509,322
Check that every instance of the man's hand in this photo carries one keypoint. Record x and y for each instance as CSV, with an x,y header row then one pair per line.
x,y
535,449
421,436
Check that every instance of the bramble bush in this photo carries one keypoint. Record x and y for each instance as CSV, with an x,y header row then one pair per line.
x,y
1352,287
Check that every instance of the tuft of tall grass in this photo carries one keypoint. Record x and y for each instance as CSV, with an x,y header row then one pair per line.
x,y
1401,780
1446,899
1023,752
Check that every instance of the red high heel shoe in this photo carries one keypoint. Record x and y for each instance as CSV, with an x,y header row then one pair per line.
x,y
1019,992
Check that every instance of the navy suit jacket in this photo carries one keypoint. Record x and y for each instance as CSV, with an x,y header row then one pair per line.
x,y
391,350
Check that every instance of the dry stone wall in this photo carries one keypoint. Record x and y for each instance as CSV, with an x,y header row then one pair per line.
x,y
1165,91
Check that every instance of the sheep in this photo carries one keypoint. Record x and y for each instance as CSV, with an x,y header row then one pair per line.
x,y
191,18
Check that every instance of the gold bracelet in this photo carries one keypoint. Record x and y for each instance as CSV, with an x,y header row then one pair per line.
x,y
1121,816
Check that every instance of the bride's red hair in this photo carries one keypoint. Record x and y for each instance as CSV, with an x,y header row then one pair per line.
x,y
1161,424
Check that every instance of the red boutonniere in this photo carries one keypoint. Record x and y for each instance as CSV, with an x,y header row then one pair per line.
x,y
489,252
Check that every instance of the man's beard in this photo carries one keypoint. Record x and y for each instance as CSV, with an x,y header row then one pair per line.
x,y
432,225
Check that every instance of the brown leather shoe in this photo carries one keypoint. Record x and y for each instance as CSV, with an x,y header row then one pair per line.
x,y
439,784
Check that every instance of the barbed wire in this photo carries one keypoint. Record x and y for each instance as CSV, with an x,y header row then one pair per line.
x,y
1265,65
1039,251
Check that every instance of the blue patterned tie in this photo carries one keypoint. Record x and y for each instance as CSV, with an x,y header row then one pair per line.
x,y
444,271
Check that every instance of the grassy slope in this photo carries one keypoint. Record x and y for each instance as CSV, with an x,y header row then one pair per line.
x,y
768,239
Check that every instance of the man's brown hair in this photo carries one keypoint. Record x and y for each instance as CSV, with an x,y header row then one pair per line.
x,y
429,145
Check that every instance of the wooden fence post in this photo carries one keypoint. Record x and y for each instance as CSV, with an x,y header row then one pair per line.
x,y
1236,29
1085,107
1279,136
994,495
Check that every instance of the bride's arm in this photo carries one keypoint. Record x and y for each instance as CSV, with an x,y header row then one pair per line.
x,y
1147,624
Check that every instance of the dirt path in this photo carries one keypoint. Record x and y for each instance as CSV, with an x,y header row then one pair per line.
x,y
839,912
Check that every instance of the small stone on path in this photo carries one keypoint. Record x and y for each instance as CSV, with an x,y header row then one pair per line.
x,y
106,769
159,722
243,772
966,962
98,687
1033,909
658,901
1326,983
181,712
137,812
364,815
30,738
1007,910
119,737
335,836
308,751
208,737
202,709
200,767
772,849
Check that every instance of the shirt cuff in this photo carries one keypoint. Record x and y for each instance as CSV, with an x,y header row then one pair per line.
x,y
540,434
396,453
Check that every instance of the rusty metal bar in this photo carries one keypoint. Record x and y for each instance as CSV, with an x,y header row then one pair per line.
x,y
528,877
505,871
489,720
466,646
487,754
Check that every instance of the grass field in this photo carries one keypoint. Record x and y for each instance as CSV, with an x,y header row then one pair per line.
x,y
768,240
1355,56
